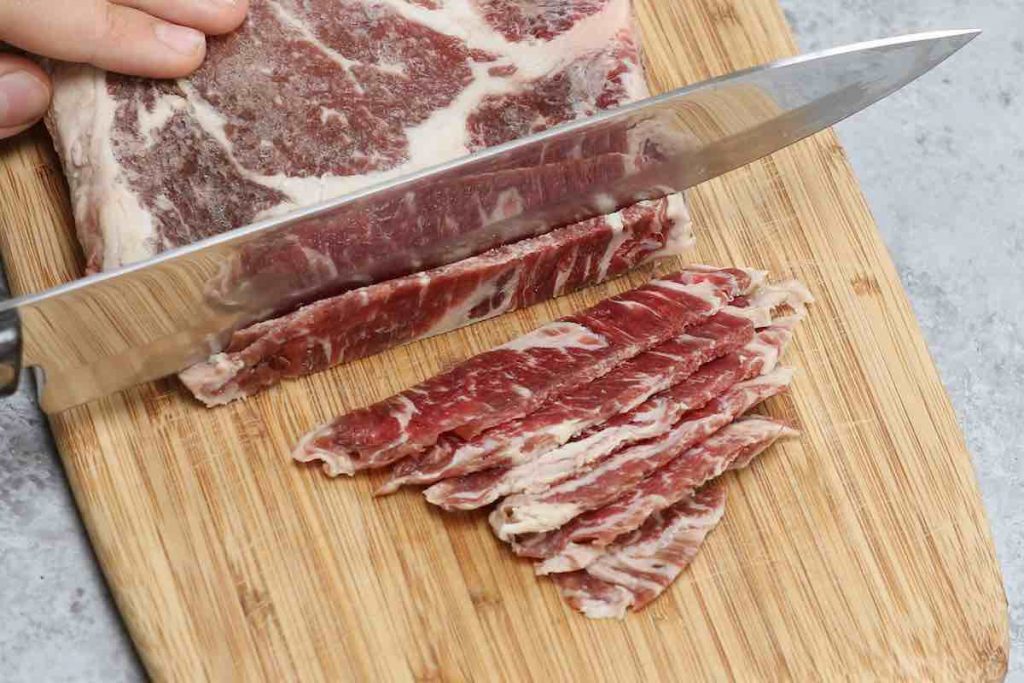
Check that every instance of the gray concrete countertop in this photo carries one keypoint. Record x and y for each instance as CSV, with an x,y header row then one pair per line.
x,y
942,164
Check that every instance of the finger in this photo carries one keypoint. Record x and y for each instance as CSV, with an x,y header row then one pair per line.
x,y
112,37
24,94
212,17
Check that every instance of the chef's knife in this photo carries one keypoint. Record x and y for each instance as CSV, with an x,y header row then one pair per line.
x,y
110,331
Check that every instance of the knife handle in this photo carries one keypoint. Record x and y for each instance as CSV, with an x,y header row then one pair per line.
x,y
10,351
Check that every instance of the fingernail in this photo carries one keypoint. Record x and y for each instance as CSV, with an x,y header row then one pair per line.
x,y
180,38
23,98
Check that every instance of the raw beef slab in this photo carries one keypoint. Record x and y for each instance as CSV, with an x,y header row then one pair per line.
x,y
310,99
313,98
363,321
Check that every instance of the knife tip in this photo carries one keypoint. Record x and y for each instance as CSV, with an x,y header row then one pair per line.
x,y
967,34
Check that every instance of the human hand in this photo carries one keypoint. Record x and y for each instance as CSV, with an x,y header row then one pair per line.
x,y
155,38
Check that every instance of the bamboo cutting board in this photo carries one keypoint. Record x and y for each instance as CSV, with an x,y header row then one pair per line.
x,y
860,550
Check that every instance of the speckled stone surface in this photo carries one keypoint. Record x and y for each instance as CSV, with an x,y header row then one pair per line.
x,y
942,165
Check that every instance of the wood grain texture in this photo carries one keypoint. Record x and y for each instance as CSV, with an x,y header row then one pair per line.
x,y
860,550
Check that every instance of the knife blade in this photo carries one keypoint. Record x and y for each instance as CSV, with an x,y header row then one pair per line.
x,y
109,331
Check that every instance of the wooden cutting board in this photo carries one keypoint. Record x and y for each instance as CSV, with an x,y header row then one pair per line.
x,y
860,550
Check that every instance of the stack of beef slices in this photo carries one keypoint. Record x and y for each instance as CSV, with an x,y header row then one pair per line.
x,y
597,441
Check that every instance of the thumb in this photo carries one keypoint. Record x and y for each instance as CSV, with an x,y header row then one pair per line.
x,y
24,94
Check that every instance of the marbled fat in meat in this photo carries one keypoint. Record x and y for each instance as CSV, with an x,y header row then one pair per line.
x,y
519,376
310,99
364,321
518,20
529,438
313,98
652,418
357,77
640,566
608,478
583,540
